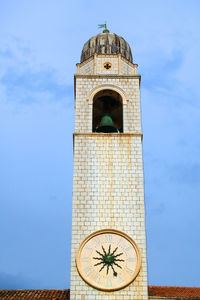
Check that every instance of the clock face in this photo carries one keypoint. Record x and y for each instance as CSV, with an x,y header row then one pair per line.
x,y
108,260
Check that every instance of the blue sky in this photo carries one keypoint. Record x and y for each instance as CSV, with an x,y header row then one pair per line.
x,y
40,44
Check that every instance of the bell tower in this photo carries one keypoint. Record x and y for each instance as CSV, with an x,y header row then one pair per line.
x,y
108,254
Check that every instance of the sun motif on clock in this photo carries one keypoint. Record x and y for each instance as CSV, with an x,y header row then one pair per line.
x,y
108,260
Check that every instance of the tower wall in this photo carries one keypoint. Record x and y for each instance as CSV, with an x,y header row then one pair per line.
x,y
108,190
108,193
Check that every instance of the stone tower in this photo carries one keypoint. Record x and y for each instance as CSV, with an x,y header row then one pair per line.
x,y
108,222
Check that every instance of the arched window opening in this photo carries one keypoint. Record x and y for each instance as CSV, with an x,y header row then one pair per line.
x,y
107,112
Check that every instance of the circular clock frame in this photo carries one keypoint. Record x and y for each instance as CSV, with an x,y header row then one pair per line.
x,y
108,231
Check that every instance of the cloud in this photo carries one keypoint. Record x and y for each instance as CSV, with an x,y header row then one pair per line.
x,y
32,86
22,82
11,281
36,125
186,174
158,78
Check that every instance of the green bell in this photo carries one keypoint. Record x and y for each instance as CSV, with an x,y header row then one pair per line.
x,y
107,125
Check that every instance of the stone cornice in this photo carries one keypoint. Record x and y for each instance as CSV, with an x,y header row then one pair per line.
x,y
108,76
108,134
106,55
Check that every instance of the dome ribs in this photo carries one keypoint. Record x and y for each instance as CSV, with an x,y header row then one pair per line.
x,y
106,43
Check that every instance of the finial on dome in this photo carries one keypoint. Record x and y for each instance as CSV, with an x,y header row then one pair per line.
x,y
105,27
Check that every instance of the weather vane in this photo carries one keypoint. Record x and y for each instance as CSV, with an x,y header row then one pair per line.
x,y
103,26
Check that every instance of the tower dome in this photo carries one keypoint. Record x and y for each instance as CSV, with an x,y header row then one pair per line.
x,y
106,43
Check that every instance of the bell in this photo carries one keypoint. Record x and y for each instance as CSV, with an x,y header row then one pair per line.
x,y
106,124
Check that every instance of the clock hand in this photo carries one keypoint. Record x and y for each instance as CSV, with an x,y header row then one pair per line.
x,y
119,259
99,253
99,263
118,254
108,268
114,251
99,258
104,250
114,273
117,265
102,267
